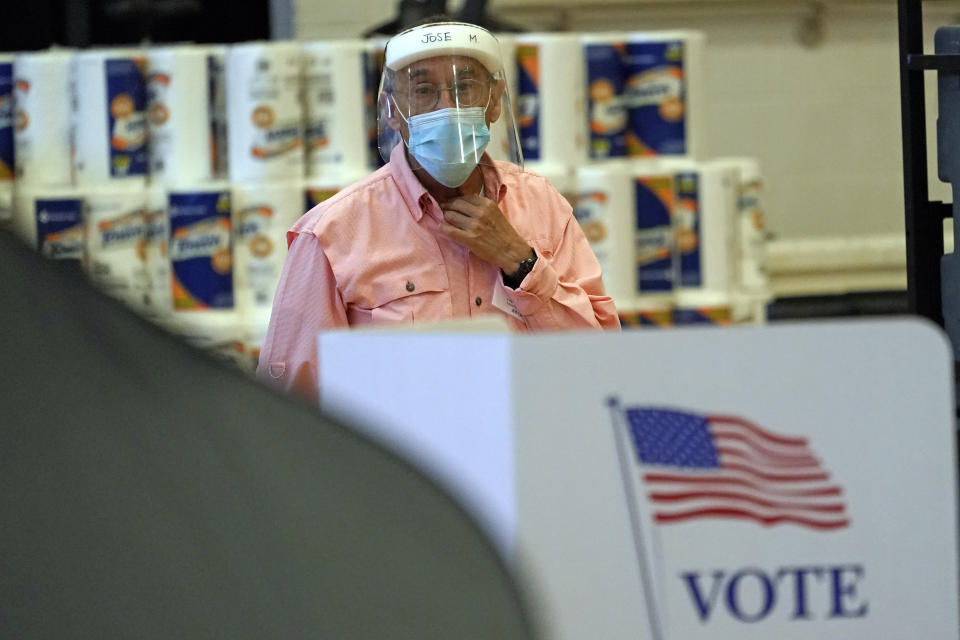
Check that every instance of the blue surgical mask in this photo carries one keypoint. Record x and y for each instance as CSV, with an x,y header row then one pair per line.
x,y
448,143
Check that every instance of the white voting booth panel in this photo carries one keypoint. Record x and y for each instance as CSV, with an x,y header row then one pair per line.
x,y
795,481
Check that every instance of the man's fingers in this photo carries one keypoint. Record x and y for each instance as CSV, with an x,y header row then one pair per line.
x,y
457,218
453,232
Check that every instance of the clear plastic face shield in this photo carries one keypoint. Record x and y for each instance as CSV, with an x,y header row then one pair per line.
x,y
444,96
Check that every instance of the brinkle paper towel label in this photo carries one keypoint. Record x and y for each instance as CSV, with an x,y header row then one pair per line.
x,y
655,95
687,214
655,203
6,120
264,111
528,99
606,109
126,117
201,251
60,228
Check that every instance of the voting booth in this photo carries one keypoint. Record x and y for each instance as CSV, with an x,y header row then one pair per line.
x,y
795,481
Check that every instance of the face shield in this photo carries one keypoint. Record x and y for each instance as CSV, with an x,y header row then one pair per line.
x,y
444,95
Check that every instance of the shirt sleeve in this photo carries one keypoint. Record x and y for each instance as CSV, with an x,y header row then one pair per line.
x,y
565,289
306,302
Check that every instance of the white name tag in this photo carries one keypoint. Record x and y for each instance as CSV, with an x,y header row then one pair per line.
x,y
505,304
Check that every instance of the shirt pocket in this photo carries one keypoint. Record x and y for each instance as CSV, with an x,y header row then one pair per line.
x,y
418,296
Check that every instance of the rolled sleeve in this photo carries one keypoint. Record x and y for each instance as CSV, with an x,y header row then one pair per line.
x,y
564,290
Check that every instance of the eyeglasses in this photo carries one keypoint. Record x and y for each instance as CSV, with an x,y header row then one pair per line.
x,y
424,96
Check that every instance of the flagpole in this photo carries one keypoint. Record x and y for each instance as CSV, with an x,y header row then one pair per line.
x,y
646,579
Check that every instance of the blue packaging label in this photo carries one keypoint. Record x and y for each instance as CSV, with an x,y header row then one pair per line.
x,y
607,111
687,224
528,100
654,202
127,117
655,94
702,315
201,250
647,319
60,230
6,121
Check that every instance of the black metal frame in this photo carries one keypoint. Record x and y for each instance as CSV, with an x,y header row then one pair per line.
x,y
923,217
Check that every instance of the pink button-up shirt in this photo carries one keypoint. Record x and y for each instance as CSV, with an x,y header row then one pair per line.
x,y
373,254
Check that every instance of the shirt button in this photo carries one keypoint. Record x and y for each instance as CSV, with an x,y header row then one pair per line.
x,y
478,301
410,286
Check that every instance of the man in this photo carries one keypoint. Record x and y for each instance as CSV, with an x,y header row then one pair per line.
x,y
442,231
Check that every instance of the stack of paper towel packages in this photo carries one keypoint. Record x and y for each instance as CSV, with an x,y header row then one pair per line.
x,y
172,173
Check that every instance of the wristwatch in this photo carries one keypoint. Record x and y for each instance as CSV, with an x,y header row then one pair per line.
x,y
514,279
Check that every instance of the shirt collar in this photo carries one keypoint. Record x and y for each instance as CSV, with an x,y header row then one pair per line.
x,y
418,198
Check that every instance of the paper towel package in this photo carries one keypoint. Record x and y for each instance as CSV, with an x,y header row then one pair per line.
x,y
662,93
336,130
264,111
51,220
201,247
116,241
42,119
704,226
185,97
646,311
606,109
108,118
604,205
264,213
6,118
157,299
550,101
702,308
655,204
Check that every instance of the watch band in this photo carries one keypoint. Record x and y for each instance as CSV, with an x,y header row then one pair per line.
x,y
514,279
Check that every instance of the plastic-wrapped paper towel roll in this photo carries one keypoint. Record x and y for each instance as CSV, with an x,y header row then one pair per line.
x,y
116,241
7,154
264,111
42,132
51,220
185,97
604,206
750,238
550,100
108,116
201,247
646,312
662,92
334,85
655,197
606,109
265,211
157,299
702,307
706,206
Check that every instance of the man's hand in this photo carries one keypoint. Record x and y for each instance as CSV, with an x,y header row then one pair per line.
x,y
478,224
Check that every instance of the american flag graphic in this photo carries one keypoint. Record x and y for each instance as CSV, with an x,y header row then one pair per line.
x,y
715,466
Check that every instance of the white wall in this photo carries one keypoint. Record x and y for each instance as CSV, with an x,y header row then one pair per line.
x,y
823,117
